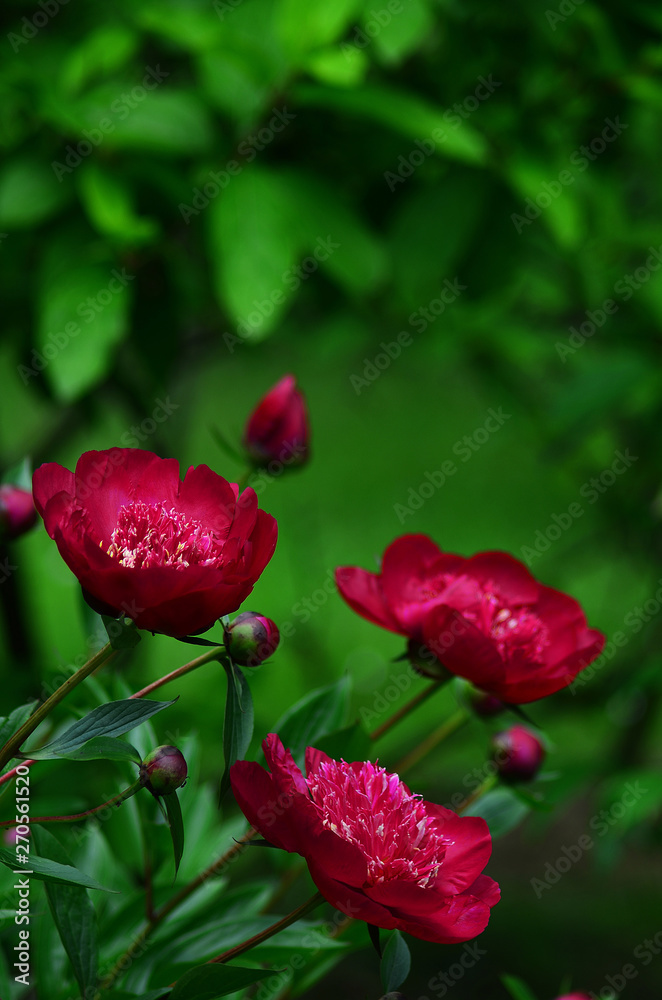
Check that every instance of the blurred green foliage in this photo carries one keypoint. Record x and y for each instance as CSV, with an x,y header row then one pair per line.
x,y
428,210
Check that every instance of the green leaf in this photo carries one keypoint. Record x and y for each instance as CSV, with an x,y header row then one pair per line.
x,y
103,748
406,30
350,743
317,714
396,962
238,721
501,809
348,251
108,203
11,724
432,231
48,871
29,193
306,24
517,988
176,825
163,991
403,112
210,981
121,632
73,914
161,120
254,244
113,719
82,317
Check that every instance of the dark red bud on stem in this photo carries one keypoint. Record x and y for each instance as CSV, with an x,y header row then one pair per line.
x,y
163,770
251,639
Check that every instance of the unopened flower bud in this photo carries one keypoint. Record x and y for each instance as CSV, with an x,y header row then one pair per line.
x,y
424,662
251,639
163,770
17,512
517,753
277,431
480,702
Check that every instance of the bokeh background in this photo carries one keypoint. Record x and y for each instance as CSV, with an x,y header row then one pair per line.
x,y
431,212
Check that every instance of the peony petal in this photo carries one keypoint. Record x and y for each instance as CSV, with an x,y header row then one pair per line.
x,y
468,849
415,575
49,480
363,592
464,917
350,901
462,648
256,796
207,497
509,577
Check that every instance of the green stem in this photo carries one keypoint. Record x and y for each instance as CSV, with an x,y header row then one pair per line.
x,y
437,736
116,800
159,916
13,744
486,786
406,709
301,911
213,654
8,775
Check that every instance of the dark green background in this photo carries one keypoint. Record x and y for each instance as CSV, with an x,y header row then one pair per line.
x,y
368,87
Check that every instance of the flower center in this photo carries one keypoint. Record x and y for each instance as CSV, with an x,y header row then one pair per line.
x,y
372,809
149,535
516,631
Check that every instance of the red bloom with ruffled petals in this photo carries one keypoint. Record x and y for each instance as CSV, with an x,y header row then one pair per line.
x,y
484,617
277,429
374,850
174,556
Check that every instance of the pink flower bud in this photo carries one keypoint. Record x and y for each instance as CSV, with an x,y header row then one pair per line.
x,y
277,430
17,512
518,754
163,770
251,639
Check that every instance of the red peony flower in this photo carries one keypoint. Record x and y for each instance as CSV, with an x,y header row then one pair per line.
x,y
484,617
374,850
575,996
174,556
277,429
